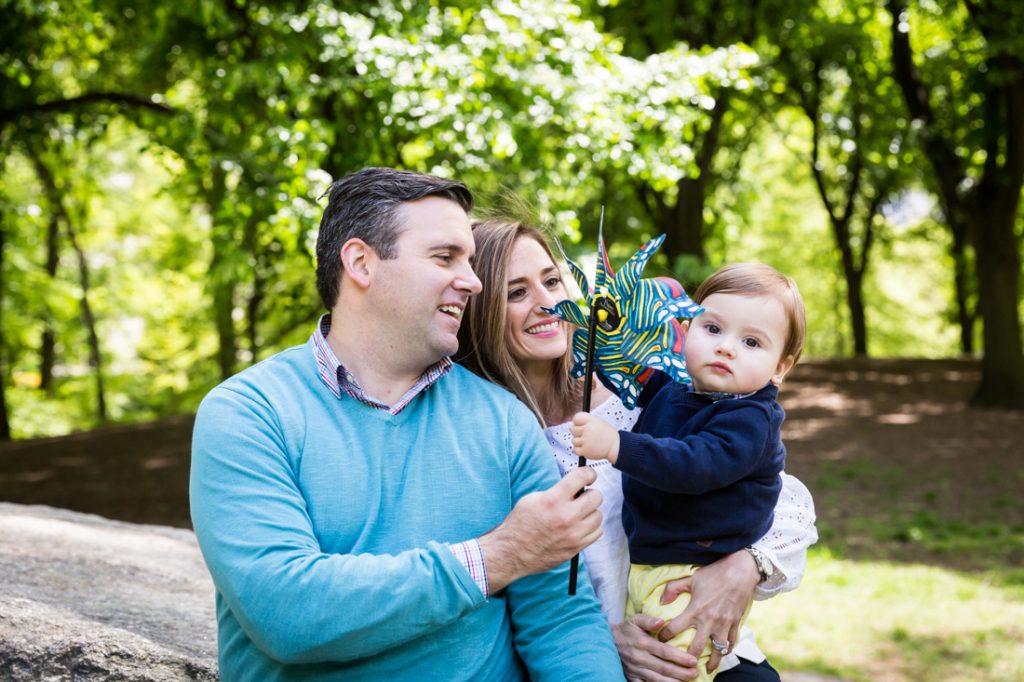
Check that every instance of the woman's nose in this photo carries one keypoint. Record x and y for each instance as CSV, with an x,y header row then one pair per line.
x,y
545,299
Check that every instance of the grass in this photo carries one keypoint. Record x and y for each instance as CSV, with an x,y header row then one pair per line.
x,y
889,622
904,584
919,570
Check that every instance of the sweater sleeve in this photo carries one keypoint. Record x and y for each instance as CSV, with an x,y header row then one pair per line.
x,y
559,637
727,449
297,603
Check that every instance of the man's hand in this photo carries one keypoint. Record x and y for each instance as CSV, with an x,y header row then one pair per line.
x,y
544,530
594,438
645,658
719,596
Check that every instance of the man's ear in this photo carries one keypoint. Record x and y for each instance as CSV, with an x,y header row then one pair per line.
x,y
785,364
357,261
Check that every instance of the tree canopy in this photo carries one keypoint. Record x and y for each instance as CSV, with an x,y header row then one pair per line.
x,y
162,168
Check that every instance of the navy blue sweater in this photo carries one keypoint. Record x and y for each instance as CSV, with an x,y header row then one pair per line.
x,y
702,475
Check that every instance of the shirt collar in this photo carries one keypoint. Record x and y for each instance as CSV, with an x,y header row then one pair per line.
x,y
715,396
341,381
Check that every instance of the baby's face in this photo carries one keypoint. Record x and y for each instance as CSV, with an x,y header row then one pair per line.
x,y
735,345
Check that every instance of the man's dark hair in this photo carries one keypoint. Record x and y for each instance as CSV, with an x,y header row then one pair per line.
x,y
363,206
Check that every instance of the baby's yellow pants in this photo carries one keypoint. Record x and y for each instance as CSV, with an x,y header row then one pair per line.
x,y
646,585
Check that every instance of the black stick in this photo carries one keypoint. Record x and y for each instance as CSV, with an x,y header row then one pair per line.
x,y
588,380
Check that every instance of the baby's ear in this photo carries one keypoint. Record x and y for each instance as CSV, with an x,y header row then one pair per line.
x,y
782,369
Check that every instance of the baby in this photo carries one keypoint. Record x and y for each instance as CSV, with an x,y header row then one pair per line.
x,y
702,463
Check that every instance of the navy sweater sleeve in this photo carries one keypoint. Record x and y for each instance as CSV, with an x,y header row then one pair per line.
x,y
726,449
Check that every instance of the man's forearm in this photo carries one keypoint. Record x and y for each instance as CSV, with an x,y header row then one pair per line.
x,y
543,530
502,559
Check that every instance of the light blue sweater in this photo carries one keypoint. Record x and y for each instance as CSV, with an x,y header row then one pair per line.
x,y
323,523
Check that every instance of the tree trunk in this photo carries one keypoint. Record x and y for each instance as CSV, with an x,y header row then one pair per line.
x,y
683,223
95,357
48,341
854,277
250,241
221,279
998,261
961,285
5,426
989,210
223,310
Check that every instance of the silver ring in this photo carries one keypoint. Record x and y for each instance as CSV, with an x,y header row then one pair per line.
x,y
722,648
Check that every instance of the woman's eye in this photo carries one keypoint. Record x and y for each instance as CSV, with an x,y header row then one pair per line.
x,y
444,257
516,294
553,282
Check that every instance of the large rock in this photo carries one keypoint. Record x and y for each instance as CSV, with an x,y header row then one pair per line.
x,y
85,598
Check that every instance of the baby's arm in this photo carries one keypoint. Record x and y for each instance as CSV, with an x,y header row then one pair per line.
x,y
594,438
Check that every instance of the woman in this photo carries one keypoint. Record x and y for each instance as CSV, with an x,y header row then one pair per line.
x,y
506,337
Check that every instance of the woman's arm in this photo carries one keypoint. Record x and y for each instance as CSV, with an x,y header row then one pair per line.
x,y
786,542
720,592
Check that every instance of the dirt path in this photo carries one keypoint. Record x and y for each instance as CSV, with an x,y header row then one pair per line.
x,y
888,447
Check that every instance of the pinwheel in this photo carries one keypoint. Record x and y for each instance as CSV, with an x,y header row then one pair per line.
x,y
636,330
631,330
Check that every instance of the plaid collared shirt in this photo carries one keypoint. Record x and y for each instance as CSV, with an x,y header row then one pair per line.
x,y
341,381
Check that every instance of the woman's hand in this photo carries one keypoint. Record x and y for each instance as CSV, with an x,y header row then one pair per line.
x,y
645,658
719,595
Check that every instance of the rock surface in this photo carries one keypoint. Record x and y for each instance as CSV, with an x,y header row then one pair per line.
x,y
86,598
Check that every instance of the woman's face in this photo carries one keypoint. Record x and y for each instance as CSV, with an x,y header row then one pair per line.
x,y
534,281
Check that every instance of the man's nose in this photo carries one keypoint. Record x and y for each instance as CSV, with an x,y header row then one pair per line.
x,y
469,282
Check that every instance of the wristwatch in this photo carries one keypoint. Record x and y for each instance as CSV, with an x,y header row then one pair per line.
x,y
764,565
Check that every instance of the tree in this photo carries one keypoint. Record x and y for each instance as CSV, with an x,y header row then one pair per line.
x,y
732,109
858,132
972,122
5,425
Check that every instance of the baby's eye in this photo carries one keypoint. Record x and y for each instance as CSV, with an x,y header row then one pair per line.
x,y
751,343
712,328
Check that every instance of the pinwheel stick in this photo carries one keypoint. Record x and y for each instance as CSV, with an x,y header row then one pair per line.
x,y
588,380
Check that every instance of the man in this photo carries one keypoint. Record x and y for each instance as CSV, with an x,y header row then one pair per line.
x,y
367,509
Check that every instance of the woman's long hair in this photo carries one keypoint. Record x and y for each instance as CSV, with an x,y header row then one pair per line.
x,y
483,336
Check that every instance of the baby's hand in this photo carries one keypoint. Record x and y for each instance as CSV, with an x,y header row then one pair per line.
x,y
594,438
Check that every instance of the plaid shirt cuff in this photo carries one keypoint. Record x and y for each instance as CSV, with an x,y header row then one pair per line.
x,y
471,556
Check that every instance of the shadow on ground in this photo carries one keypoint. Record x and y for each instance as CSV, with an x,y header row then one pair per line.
x,y
900,467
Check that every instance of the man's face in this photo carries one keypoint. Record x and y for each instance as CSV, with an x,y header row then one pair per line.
x,y
424,290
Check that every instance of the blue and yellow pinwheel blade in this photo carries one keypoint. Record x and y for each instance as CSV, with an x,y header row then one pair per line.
x,y
580,277
568,311
626,280
657,301
579,353
641,332
659,348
